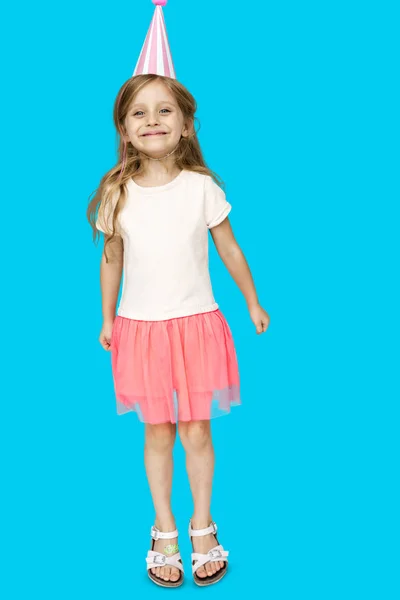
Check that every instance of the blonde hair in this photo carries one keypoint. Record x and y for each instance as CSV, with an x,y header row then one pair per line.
x,y
188,154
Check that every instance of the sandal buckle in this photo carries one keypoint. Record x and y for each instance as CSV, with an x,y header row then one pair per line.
x,y
215,553
159,559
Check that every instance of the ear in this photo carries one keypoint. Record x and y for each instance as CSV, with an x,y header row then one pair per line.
x,y
125,137
187,129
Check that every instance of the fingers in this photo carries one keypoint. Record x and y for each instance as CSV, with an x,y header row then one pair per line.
x,y
105,343
261,327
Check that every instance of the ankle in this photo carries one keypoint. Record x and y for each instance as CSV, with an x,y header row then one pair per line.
x,y
200,522
165,523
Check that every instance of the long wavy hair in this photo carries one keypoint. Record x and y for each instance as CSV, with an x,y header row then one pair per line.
x,y
112,189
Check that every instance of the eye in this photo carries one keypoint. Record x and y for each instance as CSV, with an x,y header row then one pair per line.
x,y
140,111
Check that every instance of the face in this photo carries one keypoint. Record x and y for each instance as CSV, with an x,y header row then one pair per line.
x,y
154,122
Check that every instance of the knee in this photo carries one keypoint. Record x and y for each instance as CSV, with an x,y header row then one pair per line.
x,y
194,435
160,437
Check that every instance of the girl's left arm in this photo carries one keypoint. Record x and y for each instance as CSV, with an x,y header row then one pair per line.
x,y
235,261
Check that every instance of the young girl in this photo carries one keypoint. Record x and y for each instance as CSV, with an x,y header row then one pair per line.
x,y
173,357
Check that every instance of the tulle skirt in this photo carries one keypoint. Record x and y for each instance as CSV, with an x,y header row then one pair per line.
x,y
182,369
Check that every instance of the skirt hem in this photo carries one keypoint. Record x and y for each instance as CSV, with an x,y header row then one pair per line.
x,y
126,410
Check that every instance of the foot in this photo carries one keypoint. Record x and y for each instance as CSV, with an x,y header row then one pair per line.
x,y
169,548
203,544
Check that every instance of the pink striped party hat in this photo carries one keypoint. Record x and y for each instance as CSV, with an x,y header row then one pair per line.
x,y
155,56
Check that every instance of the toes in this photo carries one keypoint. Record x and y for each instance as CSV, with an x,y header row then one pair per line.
x,y
174,574
221,564
201,572
214,568
209,569
153,570
167,573
158,571
217,567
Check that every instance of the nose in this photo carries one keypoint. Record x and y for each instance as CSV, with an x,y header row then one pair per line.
x,y
153,119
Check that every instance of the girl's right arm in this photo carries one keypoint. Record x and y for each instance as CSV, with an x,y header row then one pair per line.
x,y
110,281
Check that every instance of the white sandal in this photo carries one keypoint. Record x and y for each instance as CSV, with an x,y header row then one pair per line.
x,y
158,559
214,555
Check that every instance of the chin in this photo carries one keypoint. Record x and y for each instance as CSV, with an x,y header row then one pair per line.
x,y
157,148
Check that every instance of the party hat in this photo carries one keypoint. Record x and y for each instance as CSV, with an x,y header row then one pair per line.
x,y
155,56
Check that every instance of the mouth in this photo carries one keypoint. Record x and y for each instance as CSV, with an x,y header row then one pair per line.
x,y
154,134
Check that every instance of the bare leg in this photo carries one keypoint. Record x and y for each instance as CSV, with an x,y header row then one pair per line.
x,y
196,440
159,442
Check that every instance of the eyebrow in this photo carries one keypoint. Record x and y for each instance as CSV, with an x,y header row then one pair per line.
x,y
162,102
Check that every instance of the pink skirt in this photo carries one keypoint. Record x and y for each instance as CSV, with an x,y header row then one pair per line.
x,y
183,369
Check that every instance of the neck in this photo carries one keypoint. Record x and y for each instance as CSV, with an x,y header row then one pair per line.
x,y
156,169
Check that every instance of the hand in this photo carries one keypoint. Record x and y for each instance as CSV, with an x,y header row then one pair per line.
x,y
259,317
105,336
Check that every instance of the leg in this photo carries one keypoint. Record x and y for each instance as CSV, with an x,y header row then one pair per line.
x,y
159,442
196,440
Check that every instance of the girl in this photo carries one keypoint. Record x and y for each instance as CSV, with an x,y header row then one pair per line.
x,y
173,358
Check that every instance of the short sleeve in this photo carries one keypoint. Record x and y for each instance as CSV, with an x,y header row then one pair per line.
x,y
215,204
105,215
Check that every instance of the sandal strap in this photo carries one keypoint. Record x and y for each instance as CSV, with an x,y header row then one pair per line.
x,y
156,534
215,554
212,528
157,559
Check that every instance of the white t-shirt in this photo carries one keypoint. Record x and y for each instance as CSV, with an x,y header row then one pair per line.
x,y
165,236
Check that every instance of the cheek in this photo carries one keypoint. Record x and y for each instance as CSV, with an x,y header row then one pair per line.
x,y
177,126
134,132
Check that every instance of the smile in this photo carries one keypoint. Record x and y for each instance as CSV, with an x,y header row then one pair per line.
x,y
158,133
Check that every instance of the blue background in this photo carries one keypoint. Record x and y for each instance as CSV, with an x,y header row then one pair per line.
x,y
298,105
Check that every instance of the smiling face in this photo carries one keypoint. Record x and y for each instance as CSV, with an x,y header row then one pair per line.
x,y
154,122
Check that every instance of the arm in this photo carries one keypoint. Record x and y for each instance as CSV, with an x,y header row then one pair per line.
x,y
235,261
110,281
